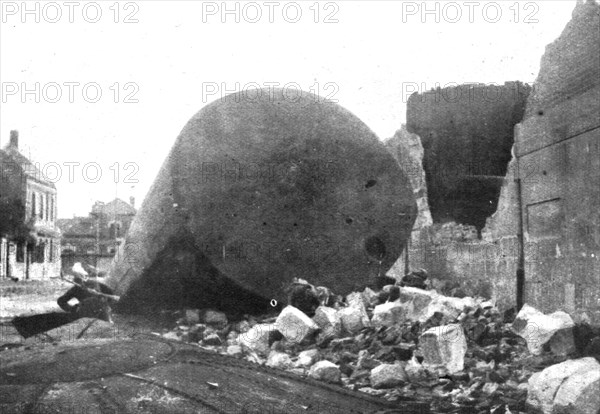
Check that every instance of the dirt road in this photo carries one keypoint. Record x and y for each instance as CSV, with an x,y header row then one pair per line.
x,y
147,374
125,368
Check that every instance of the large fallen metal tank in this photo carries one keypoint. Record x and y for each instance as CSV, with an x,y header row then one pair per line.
x,y
261,187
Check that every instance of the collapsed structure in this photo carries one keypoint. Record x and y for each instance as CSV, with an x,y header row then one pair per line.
x,y
262,187
519,225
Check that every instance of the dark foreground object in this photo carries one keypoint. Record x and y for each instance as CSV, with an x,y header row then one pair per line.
x,y
152,375
259,188
91,304
29,326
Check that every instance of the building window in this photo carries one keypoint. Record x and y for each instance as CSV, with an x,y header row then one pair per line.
x,y
33,206
51,252
114,230
47,206
20,252
41,206
39,252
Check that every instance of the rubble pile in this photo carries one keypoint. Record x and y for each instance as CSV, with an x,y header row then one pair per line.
x,y
459,355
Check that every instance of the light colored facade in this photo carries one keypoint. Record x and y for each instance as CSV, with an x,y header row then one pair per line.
x,y
29,239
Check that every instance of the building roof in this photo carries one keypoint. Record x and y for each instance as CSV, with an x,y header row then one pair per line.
x,y
116,207
28,168
86,226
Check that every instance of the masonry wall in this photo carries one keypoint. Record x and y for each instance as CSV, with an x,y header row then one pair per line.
x,y
458,171
556,158
467,134
559,149
50,267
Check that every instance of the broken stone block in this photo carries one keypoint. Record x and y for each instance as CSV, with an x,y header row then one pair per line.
x,y
307,358
451,307
490,387
416,302
328,320
355,299
192,316
444,345
325,296
372,391
325,371
370,297
545,391
538,329
354,317
365,360
172,336
234,350
215,318
414,370
212,339
580,393
388,314
388,376
257,338
241,326
295,325
408,293
279,360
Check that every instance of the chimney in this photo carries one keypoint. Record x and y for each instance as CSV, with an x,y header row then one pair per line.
x,y
14,138
132,201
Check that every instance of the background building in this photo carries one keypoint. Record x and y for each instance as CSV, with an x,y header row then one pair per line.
x,y
94,240
29,238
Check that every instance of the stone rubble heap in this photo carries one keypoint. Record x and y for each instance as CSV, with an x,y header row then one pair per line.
x,y
458,354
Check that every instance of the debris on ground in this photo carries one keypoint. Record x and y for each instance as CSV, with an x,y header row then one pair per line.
x,y
539,330
569,387
459,355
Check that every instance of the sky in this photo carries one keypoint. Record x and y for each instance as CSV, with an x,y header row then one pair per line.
x,y
99,91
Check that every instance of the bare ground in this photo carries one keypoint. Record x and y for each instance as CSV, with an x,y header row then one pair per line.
x,y
126,367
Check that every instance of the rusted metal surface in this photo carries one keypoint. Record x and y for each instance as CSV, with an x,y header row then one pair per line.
x,y
258,190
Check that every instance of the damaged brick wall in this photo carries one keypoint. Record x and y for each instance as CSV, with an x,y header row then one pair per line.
x,y
556,157
467,134
457,175
407,149
558,152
